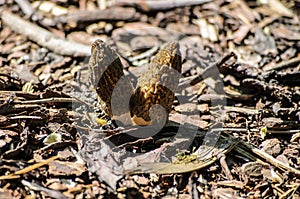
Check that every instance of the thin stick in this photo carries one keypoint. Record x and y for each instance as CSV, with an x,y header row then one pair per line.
x,y
43,37
86,16
149,5
28,169
48,100
286,64
270,159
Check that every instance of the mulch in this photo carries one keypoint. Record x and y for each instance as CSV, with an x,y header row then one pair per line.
x,y
233,131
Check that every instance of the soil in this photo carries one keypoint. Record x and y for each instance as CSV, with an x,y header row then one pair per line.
x,y
233,128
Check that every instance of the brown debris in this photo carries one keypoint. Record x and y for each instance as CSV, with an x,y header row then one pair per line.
x,y
232,130
84,16
43,37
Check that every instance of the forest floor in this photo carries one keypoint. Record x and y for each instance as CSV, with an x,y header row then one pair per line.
x,y
233,131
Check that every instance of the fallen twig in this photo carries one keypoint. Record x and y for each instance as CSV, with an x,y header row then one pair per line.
x,y
43,37
270,159
28,169
285,64
49,192
84,16
48,100
149,5
25,7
